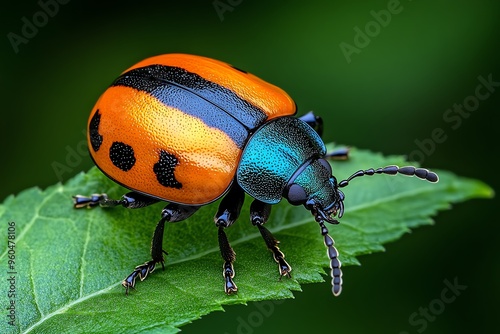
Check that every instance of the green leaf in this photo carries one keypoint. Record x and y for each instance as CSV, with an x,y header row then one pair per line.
x,y
69,263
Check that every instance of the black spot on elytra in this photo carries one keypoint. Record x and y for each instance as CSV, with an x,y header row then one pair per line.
x,y
122,156
164,170
95,136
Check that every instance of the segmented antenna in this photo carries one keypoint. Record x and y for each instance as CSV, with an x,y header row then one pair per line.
x,y
421,173
336,272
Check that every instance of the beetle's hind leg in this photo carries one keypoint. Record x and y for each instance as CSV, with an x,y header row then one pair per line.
x,y
171,213
131,200
259,213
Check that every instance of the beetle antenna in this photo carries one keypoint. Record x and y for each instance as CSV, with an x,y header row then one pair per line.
x,y
333,254
421,173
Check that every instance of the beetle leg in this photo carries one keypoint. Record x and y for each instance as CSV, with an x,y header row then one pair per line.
x,y
315,122
171,213
229,256
259,213
228,212
131,200
338,154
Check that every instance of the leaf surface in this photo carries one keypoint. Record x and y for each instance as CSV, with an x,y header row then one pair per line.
x,y
69,263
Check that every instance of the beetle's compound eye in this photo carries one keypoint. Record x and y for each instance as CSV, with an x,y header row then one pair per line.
x,y
296,194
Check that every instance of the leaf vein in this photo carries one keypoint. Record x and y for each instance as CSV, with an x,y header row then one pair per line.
x,y
36,215
69,305
83,261
32,282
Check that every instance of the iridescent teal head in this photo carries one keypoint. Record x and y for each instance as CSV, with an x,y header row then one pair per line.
x,y
314,186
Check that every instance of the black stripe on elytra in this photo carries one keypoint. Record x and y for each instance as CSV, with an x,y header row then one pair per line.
x,y
192,104
151,78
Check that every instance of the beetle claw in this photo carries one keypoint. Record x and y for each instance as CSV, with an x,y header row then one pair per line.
x,y
142,271
228,273
284,268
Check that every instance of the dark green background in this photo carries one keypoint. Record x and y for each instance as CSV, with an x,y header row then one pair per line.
x,y
393,93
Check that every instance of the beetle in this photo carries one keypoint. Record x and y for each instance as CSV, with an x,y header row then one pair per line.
x,y
190,130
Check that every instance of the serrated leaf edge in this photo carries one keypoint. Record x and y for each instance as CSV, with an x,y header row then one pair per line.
x,y
282,227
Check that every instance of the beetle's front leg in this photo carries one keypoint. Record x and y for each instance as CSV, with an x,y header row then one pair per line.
x,y
229,210
259,213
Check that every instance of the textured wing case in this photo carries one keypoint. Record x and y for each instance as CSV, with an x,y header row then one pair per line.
x,y
174,126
